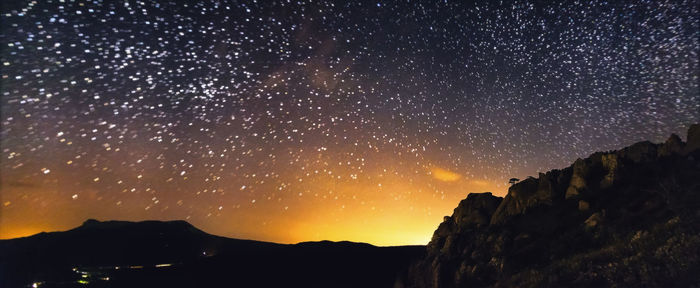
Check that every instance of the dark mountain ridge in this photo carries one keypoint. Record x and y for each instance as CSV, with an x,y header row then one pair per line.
x,y
625,218
176,254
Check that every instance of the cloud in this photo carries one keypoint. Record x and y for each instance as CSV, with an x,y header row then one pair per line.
x,y
444,175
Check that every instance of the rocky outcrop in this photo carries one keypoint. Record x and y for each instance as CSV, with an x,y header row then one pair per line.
x,y
577,183
471,213
674,145
693,138
476,210
620,218
639,152
547,189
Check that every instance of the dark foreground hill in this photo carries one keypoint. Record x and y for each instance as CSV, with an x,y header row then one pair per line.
x,y
176,254
627,218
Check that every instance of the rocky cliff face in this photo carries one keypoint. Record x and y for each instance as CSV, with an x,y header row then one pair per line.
x,y
621,218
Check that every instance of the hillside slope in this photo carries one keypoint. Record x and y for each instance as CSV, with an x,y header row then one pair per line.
x,y
625,218
176,254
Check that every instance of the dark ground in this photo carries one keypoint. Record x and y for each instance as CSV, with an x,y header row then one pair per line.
x,y
90,254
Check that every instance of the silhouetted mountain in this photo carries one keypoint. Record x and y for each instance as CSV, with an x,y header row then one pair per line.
x,y
176,254
627,218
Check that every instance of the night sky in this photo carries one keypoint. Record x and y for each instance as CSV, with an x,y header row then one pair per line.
x,y
292,121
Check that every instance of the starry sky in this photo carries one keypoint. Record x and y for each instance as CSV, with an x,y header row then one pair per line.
x,y
292,121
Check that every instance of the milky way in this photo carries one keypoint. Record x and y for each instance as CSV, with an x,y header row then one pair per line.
x,y
294,120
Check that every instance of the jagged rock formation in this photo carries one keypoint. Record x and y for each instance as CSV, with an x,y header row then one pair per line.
x,y
620,218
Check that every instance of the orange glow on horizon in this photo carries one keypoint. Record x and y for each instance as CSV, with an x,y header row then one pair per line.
x,y
19,232
390,210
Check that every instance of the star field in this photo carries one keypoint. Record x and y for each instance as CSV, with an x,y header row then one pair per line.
x,y
304,120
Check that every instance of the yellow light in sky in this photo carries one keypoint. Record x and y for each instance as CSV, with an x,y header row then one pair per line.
x,y
444,175
385,209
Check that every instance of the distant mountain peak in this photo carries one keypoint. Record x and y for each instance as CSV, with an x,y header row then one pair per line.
x,y
152,225
328,243
91,222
